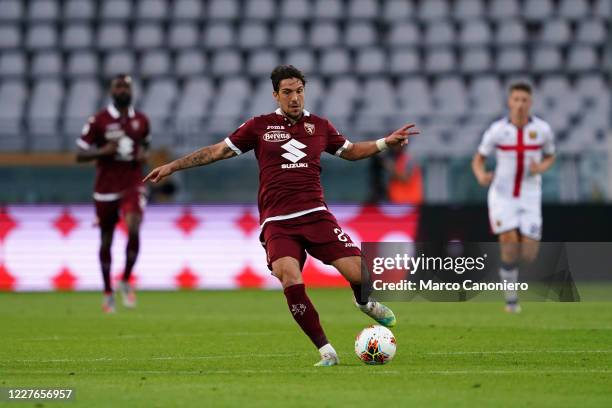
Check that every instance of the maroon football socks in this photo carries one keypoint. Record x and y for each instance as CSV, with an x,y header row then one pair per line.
x,y
105,264
305,314
131,253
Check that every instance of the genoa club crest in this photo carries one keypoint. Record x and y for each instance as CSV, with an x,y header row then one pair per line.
x,y
310,128
533,135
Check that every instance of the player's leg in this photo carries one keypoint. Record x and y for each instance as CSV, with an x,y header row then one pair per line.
x,y
350,268
132,206
510,247
108,214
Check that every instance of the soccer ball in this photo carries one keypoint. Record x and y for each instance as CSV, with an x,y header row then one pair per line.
x,y
375,345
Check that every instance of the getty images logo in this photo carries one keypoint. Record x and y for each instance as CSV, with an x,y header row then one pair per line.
x,y
294,154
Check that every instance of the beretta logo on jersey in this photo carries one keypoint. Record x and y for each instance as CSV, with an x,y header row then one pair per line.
x,y
276,136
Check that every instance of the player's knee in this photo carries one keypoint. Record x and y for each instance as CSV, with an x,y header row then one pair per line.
x,y
287,272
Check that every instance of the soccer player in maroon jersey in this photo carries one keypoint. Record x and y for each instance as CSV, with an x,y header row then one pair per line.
x,y
293,215
117,139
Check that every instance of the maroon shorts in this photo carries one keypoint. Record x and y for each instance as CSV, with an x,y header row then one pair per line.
x,y
131,201
317,233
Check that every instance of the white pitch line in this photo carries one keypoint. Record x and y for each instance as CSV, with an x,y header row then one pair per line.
x,y
170,358
459,353
144,336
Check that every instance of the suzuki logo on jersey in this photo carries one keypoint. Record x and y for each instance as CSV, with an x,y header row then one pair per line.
x,y
294,154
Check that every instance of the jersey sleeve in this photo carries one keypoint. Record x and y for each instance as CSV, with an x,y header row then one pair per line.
x,y
549,142
243,139
89,135
487,144
336,143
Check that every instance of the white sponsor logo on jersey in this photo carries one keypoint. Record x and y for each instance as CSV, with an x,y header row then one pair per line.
x,y
294,154
275,127
276,136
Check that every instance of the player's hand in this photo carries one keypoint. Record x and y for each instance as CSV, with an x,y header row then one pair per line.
x,y
109,149
400,136
484,178
534,168
159,173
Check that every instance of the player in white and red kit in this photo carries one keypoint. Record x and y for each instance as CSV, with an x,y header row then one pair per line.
x,y
294,218
117,138
524,149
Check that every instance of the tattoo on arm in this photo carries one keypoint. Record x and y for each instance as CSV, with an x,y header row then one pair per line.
x,y
204,156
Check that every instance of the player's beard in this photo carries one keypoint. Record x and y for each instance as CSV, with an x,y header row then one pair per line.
x,y
122,101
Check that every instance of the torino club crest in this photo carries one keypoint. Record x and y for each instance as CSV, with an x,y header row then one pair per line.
x,y
310,128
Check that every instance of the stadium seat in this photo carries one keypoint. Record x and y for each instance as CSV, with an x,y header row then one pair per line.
x,y
404,61
546,59
510,32
118,62
501,10
512,59
155,63
402,35
157,102
602,9
591,85
439,33
343,93
288,35
450,96
151,10
43,115
370,61
195,98
573,9
228,105
77,36
112,35
43,10
147,36
253,35
335,61
10,37
218,35
467,10
538,10
261,62
328,9
190,63
440,61
41,36
46,63
82,100
295,10
414,96
397,10
13,64
591,32
378,98
324,35
183,35
314,93
223,10
486,96
261,102
259,10
362,9
360,34
226,63
475,33
11,10
433,10
79,10
116,9
82,63
187,10
13,96
303,59
582,58
555,32
475,60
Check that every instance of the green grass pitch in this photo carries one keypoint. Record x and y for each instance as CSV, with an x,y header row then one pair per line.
x,y
242,348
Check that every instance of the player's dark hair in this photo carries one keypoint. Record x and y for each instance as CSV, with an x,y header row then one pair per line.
x,y
285,72
120,76
521,86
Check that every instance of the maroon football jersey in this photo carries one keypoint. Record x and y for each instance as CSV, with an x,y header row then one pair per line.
x,y
289,159
122,171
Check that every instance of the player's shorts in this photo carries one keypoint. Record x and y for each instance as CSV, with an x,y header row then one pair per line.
x,y
509,213
317,234
131,201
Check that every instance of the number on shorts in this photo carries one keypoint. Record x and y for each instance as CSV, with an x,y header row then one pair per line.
x,y
341,235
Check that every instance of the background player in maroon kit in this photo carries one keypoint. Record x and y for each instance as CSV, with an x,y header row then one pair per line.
x,y
293,215
117,138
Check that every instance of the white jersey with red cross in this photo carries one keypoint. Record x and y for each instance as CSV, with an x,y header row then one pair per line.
x,y
515,150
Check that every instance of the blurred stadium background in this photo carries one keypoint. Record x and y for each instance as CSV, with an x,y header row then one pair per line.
x,y
202,67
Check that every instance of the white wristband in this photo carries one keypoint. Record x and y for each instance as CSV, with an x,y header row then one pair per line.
x,y
381,144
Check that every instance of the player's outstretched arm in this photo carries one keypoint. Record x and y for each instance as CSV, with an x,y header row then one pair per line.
x,y
201,157
362,150
483,176
109,149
